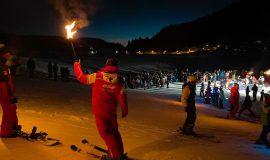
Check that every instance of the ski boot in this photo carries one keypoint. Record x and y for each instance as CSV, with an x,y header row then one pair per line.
x,y
17,129
105,157
123,157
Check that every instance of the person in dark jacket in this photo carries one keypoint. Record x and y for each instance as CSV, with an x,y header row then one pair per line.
x,y
188,100
55,71
31,66
255,90
247,91
202,90
262,95
107,91
221,98
50,70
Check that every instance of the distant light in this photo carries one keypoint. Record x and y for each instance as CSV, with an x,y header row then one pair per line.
x,y
139,52
250,72
267,72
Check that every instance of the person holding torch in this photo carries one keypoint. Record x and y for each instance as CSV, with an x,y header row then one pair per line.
x,y
107,91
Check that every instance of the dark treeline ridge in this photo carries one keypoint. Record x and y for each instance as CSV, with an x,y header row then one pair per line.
x,y
244,21
26,45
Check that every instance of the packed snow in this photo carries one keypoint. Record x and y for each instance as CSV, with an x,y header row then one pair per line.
x,y
149,132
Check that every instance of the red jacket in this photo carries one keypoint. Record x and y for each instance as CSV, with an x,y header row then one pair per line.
x,y
107,90
234,96
6,85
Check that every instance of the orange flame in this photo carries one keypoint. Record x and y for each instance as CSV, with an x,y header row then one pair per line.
x,y
69,29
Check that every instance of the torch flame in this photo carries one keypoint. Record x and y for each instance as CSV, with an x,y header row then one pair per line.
x,y
69,29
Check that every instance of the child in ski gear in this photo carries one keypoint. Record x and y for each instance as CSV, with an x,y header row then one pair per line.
x,y
107,90
188,100
7,99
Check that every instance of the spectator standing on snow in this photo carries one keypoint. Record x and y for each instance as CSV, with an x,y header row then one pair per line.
x,y
55,71
234,100
262,95
215,96
188,100
247,91
31,66
202,90
107,90
221,98
207,94
255,90
50,70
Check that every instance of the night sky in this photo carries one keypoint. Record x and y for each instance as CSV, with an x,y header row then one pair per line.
x,y
114,20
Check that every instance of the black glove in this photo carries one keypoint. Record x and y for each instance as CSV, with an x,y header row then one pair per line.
x,y
76,59
13,100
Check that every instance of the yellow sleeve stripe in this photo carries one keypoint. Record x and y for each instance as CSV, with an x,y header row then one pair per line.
x,y
91,78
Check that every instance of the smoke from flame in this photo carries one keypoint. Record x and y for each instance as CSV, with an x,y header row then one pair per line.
x,y
79,10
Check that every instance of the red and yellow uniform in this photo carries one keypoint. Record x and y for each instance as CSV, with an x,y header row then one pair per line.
x,y
107,91
9,117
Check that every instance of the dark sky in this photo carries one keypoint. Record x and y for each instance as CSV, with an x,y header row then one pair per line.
x,y
114,20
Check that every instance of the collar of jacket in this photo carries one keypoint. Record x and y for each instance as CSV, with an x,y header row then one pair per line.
x,y
110,69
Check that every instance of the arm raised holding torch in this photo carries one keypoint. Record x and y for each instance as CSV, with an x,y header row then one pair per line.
x,y
70,33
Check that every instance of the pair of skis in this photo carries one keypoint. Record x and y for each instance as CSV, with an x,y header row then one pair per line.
x,y
94,155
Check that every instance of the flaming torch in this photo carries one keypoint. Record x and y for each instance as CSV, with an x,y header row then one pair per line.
x,y
70,33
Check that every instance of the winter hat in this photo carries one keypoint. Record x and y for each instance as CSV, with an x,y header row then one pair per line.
x,y
111,62
191,78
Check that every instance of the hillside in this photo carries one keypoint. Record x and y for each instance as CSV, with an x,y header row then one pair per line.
x,y
240,22
29,45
